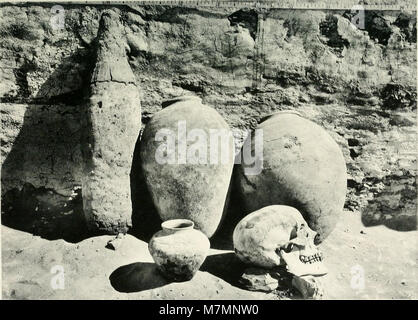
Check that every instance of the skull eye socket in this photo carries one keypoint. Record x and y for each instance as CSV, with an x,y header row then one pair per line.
x,y
288,247
317,239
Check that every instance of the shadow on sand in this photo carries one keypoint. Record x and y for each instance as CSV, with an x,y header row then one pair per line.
x,y
46,151
395,206
136,277
226,266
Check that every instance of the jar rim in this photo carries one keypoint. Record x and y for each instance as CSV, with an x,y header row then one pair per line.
x,y
171,101
289,111
177,224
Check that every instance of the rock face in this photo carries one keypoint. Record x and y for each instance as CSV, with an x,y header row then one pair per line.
x,y
187,154
303,167
113,123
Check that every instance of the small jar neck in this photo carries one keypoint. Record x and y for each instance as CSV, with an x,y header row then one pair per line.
x,y
177,225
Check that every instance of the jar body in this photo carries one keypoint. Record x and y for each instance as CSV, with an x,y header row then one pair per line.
x,y
303,167
186,174
179,253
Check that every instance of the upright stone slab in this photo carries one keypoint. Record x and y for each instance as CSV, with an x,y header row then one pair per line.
x,y
303,167
113,121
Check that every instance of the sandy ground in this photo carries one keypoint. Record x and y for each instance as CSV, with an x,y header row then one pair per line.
x,y
363,262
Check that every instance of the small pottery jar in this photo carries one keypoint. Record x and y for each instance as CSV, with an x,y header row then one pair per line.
x,y
178,249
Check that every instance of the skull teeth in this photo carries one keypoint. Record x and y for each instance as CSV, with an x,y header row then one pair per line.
x,y
317,257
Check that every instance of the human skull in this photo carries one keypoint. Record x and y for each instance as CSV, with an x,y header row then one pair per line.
x,y
278,235
301,255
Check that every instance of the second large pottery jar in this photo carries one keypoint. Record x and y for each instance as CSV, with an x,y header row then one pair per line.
x,y
178,249
302,167
187,156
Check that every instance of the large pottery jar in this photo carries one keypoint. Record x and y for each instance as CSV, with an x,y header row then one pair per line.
x,y
178,249
187,156
111,128
302,167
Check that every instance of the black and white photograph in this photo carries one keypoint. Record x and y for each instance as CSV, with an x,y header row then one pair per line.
x,y
208,150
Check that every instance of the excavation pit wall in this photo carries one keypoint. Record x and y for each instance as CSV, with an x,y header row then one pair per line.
x,y
360,85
